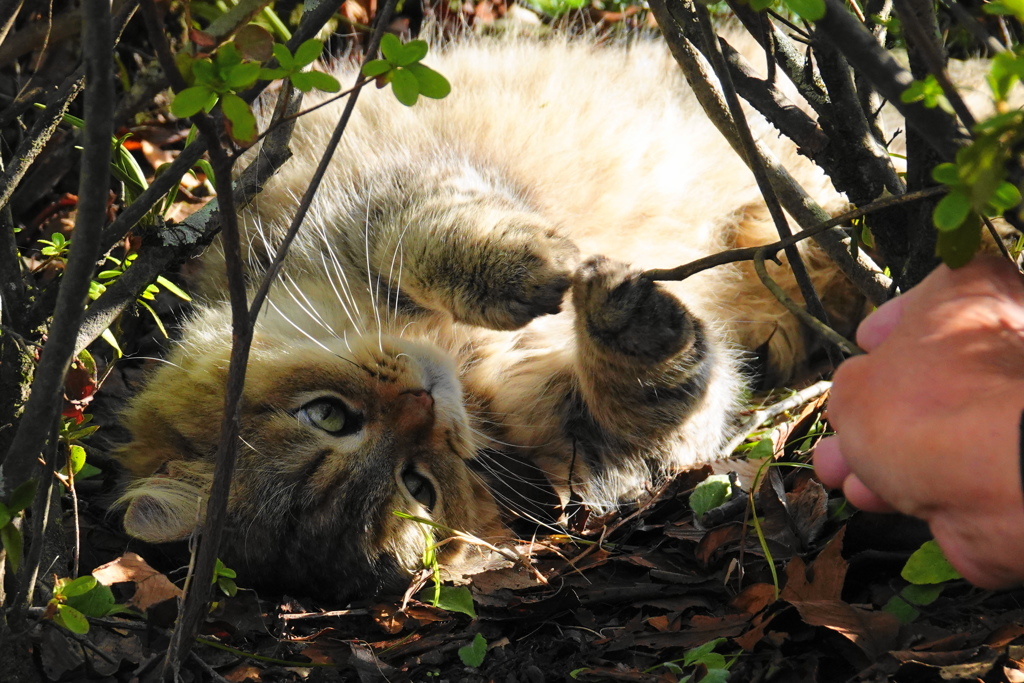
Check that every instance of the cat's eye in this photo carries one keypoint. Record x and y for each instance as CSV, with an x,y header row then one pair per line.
x,y
330,415
419,487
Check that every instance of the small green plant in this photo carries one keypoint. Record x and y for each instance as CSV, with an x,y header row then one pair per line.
x,y
808,10
401,68
76,599
709,494
474,653
927,572
221,77
224,578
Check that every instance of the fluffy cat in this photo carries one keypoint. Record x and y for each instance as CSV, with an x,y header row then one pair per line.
x,y
461,329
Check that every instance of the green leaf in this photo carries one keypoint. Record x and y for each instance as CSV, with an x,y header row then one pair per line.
x,y
108,336
315,79
951,211
765,448
431,83
456,599
254,42
227,57
72,619
241,76
412,52
284,56
958,247
191,101
272,74
809,10
76,459
5,515
227,586
929,565
1005,197
376,67
904,605
79,586
710,493
22,496
715,676
173,288
205,72
308,52
97,602
88,471
946,174
11,539
405,86
474,653
391,48
241,121
698,653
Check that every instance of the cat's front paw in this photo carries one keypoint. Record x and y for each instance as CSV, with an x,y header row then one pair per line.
x,y
525,278
627,314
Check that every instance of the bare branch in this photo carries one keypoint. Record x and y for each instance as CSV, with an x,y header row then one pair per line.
x,y
42,409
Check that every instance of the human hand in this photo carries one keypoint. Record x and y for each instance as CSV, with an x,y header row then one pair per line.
x,y
928,421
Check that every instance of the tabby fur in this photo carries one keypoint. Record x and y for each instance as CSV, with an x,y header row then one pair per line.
x,y
461,330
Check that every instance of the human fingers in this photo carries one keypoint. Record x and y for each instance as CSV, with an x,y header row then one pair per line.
x,y
829,463
875,328
861,497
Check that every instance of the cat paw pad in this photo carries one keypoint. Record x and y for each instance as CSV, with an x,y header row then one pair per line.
x,y
628,314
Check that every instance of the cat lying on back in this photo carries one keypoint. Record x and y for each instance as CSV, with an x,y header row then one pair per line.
x,y
463,308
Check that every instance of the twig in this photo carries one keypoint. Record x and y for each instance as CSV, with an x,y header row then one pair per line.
x,y
997,239
759,417
822,329
325,615
216,677
747,254
872,60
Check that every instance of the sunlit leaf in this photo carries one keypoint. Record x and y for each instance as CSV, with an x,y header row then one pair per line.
x,y
431,83
284,56
315,79
307,53
456,599
928,564
951,211
709,494
405,86
76,459
946,174
376,67
71,619
412,52
391,48
98,601
191,101
243,75
241,121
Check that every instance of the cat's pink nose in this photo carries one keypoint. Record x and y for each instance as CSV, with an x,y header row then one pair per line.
x,y
414,410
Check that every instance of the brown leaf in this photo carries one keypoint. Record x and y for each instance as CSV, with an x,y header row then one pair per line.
x,y
151,587
754,598
874,633
823,581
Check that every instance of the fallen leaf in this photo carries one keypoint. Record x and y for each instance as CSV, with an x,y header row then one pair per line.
x,y
151,587
875,633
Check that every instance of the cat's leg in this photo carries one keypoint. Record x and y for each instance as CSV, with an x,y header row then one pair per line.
x,y
456,238
652,378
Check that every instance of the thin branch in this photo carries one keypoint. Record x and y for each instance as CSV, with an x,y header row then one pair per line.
x,y
872,60
759,417
964,18
927,43
748,253
861,271
43,406
753,160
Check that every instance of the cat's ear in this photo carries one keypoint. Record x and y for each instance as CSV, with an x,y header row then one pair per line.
x,y
169,506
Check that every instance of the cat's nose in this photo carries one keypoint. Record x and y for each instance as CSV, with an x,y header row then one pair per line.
x,y
414,410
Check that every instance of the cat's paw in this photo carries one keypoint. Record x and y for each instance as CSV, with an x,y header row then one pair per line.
x,y
627,314
522,279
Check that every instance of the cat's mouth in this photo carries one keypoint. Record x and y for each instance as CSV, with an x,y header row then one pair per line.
x,y
419,487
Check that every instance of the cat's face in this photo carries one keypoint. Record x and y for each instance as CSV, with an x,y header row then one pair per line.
x,y
333,440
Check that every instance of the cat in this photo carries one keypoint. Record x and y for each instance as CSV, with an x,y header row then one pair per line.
x,y
462,330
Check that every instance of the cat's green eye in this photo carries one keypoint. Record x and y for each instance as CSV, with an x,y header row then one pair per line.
x,y
330,415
